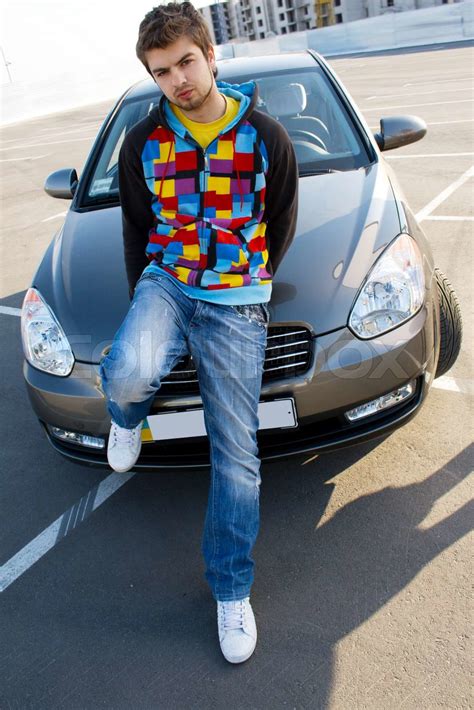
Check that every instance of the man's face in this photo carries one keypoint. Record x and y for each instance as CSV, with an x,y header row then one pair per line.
x,y
181,67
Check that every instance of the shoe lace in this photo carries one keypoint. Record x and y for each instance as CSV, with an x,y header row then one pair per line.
x,y
232,614
124,436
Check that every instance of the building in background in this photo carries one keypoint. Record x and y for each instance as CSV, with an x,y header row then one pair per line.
x,y
349,10
247,20
325,13
293,15
219,19
255,19
259,19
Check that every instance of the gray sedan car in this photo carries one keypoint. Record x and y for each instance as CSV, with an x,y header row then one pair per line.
x,y
361,319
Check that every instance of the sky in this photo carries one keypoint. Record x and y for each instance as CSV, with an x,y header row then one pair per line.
x,y
56,37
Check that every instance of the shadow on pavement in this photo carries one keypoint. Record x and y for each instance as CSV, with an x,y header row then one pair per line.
x,y
120,615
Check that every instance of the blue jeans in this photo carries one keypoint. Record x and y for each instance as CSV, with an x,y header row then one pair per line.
x,y
227,344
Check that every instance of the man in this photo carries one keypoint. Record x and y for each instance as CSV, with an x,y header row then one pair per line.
x,y
208,189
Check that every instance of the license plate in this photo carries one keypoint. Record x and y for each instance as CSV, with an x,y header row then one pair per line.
x,y
278,414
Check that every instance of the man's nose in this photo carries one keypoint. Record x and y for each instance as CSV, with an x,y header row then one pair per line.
x,y
178,78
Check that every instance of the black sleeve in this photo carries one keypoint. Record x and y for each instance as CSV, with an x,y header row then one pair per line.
x,y
281,197
137,214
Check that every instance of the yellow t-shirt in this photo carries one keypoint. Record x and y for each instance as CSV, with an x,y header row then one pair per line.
x,y
205,133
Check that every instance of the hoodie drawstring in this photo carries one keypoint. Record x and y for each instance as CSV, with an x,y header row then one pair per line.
x,y
238,172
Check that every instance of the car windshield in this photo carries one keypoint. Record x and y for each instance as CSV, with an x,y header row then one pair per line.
x,y
303,101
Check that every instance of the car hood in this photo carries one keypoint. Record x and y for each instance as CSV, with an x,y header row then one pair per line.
x,y
344,221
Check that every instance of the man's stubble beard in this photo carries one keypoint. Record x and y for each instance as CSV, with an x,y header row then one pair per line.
x,y
193,104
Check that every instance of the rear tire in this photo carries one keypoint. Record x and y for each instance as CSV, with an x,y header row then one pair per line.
x,y
450,324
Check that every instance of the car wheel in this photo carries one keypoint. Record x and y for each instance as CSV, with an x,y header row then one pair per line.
x,y
450,324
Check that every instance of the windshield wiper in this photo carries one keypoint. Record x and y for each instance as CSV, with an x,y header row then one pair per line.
x,y
322,171
104,199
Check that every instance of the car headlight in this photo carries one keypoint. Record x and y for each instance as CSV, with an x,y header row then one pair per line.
x,y
393,291
44,342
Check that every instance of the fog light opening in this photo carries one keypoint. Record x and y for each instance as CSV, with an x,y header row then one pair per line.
x,y
381,403
93,442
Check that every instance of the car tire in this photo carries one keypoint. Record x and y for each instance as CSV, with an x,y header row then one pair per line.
x,y
450,324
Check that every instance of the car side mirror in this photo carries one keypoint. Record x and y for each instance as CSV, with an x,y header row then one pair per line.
x,y
62,183
396,131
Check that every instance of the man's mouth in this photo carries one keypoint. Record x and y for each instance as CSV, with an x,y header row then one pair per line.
x,y
185,94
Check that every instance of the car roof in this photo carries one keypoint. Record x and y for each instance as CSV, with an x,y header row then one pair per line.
x,y
238,67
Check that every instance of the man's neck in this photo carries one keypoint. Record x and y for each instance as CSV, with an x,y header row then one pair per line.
x,y
213,109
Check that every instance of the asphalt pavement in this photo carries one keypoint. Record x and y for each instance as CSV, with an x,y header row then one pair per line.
x,y
364,559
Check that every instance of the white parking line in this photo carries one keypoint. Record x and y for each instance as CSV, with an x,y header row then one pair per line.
x,y
436,201
52,132
434,103
54,533
49,132
38,145
414,93
25,157
427,155
435,123
347,68
440,81
445,123
55,216
10,311
454,384
449,218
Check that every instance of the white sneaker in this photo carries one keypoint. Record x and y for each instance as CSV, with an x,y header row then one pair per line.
x,y
124,447
237,630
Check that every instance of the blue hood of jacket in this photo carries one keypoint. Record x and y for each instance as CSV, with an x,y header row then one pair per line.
x,y
245,93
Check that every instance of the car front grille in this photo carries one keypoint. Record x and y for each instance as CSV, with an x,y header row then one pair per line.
x,y
288,354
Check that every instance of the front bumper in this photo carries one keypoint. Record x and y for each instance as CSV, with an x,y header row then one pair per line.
x,y
344,373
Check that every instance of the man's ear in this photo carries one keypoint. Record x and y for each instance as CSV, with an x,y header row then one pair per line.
x,y
211,56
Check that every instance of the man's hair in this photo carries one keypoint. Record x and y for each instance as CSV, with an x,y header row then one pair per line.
x,y
167,23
